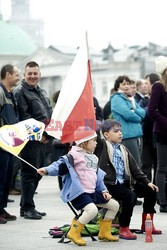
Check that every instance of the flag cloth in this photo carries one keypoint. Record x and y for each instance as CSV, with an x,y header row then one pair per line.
x,y
14,137
75,106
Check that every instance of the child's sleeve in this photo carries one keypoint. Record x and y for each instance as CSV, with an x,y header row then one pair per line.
x,y
57,168
100,181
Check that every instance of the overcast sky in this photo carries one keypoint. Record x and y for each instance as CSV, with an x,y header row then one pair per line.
x,y
120,22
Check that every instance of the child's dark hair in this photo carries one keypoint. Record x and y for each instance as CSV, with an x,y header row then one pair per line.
x,y
109,124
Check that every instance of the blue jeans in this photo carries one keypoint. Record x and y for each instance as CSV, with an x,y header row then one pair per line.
x,y
34,153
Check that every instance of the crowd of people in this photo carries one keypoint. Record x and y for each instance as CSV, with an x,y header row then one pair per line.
x,y
123,160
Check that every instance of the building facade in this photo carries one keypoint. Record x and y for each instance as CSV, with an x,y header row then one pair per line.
x,y
55,63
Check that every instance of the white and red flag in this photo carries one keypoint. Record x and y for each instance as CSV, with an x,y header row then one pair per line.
x,y
75,106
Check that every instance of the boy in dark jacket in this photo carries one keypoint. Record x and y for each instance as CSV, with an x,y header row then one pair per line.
x,y
124,179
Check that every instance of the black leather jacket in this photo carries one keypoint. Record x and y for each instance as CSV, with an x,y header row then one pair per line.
x,y
32,103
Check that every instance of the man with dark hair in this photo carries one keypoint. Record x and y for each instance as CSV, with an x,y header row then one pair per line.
x,y
150,80
8,115
33,102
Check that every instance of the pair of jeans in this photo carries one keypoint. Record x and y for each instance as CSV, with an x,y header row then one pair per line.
x,y
127,197
6,170
161,172
34,153
149,161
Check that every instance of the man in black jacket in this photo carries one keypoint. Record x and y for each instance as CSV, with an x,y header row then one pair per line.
x,y
124,179
8,116
33,102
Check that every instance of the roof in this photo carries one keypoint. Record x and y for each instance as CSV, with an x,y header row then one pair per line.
x,y
73,51
123,54
14,40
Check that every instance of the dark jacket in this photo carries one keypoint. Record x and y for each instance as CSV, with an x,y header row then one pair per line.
x,y
98,110
132,170
138,98
33,103
157,108
8,107
107,111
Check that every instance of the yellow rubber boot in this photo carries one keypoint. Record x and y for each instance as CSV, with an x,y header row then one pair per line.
x,y
105,231
75,233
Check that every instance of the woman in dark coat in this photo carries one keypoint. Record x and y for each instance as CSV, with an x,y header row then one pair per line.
x,y
157,110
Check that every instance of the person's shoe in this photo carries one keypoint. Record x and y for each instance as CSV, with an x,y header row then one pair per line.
x,y
105,231
10,200
8,217
41,213
14,192
32,215
154,230
126,234
74,233
163,208
138,203
2,220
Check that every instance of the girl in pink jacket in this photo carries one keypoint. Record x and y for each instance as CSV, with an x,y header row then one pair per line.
x,y
86,167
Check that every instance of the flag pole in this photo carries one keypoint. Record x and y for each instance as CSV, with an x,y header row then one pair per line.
x,y
25,162
87,45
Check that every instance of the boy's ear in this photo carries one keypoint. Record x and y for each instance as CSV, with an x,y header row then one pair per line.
x,y
105,135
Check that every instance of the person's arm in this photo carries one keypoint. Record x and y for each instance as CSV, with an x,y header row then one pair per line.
x,y
155,100
120,106
140,111
1,99
54,169
100,186
1,105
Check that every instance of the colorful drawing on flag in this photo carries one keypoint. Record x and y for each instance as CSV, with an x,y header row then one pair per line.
x,y
14,137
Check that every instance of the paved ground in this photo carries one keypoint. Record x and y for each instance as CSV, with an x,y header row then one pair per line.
x,y
31,235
